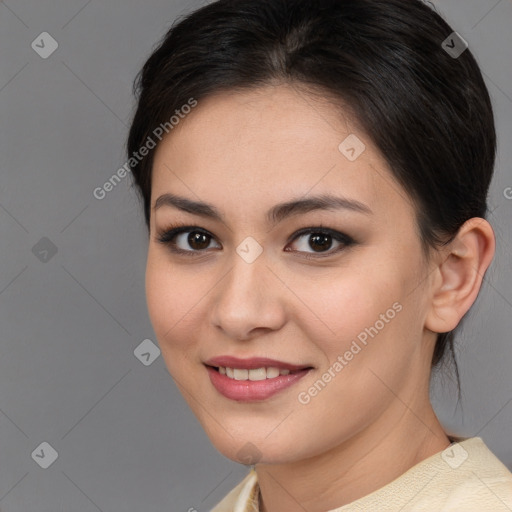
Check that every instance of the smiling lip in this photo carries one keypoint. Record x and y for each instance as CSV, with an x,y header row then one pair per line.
x,y
247,390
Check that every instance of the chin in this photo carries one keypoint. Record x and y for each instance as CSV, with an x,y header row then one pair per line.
x,y
254,448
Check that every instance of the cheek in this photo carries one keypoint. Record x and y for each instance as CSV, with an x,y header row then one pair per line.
x,y
172,303
363,323
366,349
344,302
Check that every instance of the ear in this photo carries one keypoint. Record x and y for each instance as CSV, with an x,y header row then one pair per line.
x,y
459,274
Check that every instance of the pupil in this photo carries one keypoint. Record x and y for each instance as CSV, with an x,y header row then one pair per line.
x,y
196,239
321,240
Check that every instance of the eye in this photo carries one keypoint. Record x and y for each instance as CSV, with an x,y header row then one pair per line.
x,y
186,239
320,240
193,240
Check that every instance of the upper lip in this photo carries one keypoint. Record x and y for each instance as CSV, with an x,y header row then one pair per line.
x,y
252,363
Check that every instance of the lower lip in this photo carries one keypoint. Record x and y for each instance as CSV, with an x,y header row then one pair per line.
x,y
252,390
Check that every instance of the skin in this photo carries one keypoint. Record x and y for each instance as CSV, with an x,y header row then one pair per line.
x,y
373,420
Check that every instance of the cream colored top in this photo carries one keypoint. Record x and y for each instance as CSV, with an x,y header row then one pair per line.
x,y
465,477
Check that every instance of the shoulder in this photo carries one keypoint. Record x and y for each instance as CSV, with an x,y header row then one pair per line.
x,y
465,477
240,497
476,480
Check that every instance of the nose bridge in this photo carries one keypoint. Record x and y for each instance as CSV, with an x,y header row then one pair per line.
x,y
244,281
243,301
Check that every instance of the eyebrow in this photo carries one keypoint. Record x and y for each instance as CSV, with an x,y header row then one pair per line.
x,y
275,215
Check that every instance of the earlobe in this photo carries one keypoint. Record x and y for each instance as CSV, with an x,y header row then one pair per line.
x,y
460,273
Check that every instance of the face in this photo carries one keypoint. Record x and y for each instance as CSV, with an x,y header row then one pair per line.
x,y
334,292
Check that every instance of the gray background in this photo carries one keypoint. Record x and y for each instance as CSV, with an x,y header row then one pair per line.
x,y
71,321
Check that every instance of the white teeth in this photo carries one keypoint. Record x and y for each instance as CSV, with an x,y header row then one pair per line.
x,y
241,374
272,372
258,374
253,374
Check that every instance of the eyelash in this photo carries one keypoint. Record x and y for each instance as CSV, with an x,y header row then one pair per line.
x,y
167,238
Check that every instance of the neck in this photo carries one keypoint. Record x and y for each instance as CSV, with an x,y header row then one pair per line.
x,y
358,466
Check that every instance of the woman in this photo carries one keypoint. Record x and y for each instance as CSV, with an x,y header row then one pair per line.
x,y
314,178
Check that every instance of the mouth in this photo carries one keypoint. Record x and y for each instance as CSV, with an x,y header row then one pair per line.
x,y
253,379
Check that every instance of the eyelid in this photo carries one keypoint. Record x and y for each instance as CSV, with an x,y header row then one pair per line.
x,y
165,237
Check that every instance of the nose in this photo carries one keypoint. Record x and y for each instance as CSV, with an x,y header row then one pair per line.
x,y
248,300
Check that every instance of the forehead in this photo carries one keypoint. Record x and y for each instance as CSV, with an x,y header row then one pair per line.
x,y
268,143
280,118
